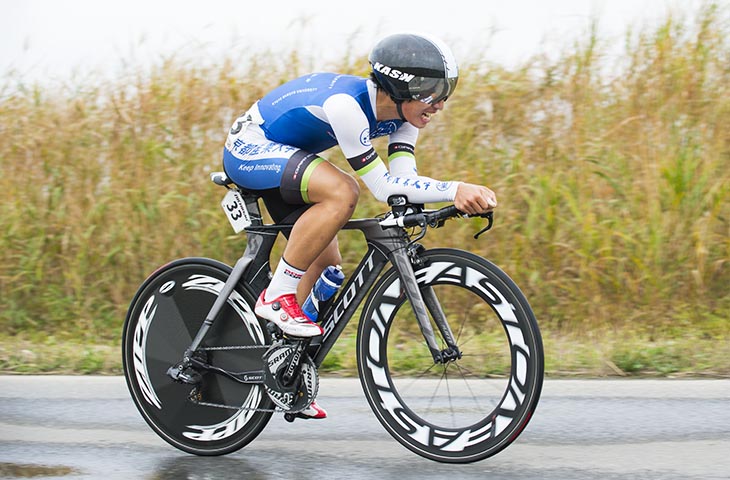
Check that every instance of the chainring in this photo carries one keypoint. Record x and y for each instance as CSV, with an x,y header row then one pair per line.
x,y
301,391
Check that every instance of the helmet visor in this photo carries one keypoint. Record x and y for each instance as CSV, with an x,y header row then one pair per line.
x,y
431,90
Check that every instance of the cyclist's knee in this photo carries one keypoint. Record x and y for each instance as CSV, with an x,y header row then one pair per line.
x,y
345,197
340,192
347,192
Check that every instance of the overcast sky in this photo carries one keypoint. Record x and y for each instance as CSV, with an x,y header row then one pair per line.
x,y
52,38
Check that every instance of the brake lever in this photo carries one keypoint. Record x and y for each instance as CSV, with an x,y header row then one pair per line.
x,y
437,223
490,220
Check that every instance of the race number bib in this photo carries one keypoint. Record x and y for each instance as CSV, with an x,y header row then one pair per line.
x,y
235,209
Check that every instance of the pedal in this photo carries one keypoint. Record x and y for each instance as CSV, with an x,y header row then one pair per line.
x,y
274,330
184,375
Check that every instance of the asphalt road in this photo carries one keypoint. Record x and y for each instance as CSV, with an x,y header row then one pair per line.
x,y
88,428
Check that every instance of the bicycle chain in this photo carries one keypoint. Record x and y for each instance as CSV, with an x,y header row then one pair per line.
x,y
236,347
231,407
247,409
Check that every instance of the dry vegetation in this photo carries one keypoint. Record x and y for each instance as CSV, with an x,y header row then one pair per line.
x,y
612,177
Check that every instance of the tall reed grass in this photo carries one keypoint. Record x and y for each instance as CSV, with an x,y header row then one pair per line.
x,y
612,176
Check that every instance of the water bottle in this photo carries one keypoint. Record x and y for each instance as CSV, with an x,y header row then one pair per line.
x,y
324,288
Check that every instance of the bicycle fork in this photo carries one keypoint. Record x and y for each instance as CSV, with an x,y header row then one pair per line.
x,y
424,301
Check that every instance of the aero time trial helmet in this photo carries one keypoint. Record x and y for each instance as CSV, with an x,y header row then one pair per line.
x,y
414,67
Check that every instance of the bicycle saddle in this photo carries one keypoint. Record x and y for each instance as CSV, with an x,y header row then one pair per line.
x,y
220,178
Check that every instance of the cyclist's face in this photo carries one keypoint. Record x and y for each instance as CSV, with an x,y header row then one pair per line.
x,y
419,114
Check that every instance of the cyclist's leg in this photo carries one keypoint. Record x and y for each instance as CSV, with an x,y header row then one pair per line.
x,y
302,179
331,196
284,213
312,245
255,162
330,256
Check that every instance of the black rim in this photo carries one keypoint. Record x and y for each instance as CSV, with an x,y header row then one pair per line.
x,y
470,408
161,324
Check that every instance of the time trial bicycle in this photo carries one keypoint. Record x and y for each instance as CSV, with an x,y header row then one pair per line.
x,y
449,352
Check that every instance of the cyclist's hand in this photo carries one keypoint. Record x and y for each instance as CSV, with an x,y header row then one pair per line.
x,y
474,199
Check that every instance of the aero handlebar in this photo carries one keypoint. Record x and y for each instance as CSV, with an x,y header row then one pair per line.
x,y
434,219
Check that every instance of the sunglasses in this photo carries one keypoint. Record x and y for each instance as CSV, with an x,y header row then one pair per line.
x,y
431,90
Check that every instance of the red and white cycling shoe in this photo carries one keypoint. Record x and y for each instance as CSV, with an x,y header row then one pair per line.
x,y
285,312
313,411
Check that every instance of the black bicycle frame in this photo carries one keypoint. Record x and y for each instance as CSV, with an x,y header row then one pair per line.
x,y
384,246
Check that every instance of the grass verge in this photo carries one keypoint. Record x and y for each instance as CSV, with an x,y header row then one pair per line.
x,y
605,353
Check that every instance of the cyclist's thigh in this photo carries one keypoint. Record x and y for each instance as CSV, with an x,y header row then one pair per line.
x,y
328,182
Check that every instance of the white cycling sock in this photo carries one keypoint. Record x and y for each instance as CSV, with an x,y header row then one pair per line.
x,y
285,280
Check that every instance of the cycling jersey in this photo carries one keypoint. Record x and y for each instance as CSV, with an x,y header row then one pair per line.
x,y
277,142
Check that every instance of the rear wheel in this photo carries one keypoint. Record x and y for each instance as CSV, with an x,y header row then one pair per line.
x,y
219,415
468,408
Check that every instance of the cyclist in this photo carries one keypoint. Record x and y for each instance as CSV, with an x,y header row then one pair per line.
x,y
273,149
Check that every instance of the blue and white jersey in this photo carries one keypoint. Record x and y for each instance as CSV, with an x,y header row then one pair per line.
x,y
316,112
306,112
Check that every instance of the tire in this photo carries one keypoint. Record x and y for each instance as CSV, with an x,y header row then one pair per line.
x,y
163,318
473,407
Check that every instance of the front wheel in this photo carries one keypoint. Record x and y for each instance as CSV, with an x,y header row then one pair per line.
x,y
464,408
218,415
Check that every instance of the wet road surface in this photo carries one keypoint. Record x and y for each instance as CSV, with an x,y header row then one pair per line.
x,y
88,428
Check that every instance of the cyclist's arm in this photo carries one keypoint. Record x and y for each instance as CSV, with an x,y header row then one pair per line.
x,y
417,188
401,158
351,128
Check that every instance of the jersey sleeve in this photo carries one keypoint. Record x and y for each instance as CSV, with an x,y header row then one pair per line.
x,y
417,188
349,124
351,128
406,134
401,151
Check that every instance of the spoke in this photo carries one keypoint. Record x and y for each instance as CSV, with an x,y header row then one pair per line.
x,y
436,389
448,391
468,387
458,397
415,379
462,324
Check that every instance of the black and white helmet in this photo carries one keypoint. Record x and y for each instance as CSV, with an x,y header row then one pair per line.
x,y
414,67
